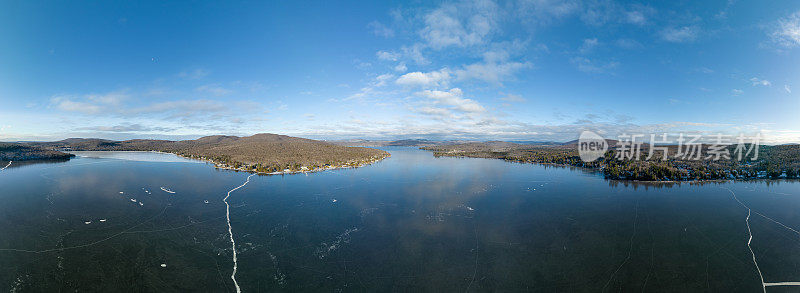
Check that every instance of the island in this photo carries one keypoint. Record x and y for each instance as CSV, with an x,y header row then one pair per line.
x,y
259,153
773,162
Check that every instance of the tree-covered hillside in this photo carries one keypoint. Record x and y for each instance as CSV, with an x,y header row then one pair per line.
x,y
261,152
773,162
19,152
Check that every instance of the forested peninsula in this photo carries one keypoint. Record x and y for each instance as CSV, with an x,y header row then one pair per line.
x,y
262,153
21,152
772,162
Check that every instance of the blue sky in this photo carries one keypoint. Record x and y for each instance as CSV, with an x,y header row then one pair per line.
x,y
511,70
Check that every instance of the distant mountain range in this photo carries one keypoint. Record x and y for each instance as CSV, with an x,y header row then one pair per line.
x,y
381,143
428,142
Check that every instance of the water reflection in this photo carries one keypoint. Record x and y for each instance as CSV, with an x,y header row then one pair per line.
x,y
17,164
134,156
411,222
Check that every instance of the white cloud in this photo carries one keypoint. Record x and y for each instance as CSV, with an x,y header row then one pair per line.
x,y
441,113
183,107
387,56
787,31
401,67
414,53
213,89
64,103
705,70
787,88
105,105
433,78
126,127
460,24
194,74
491,72
629,44
496,66
592,66
282,106
680,34
492,128
453,98
736,92
635,17
382,80
588,45
543,12
381,30
89,104
604,12
762,82
372,88
362,65
513,98
113,98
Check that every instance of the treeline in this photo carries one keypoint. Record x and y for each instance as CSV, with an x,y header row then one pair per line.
x,y
19,152
773,162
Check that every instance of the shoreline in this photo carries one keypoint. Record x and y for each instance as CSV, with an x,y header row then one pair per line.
x,y
596,170
222,166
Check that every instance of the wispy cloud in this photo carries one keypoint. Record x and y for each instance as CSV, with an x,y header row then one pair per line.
x,y
194,74
459,24
425,79
629,44
513,98
680,34
755,81
591,66
112,98
599,13
122,104
453,99
438,113
491,72
636,17
182,108
387,56
588,45
705,70
381,30
89,104
126,127
414,53
674,101
542,12
786,32
64,103
214,89
373,88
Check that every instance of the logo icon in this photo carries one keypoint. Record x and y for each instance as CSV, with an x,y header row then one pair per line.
x,y
591,146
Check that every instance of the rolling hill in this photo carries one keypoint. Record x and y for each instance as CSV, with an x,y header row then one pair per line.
x,y
263,152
